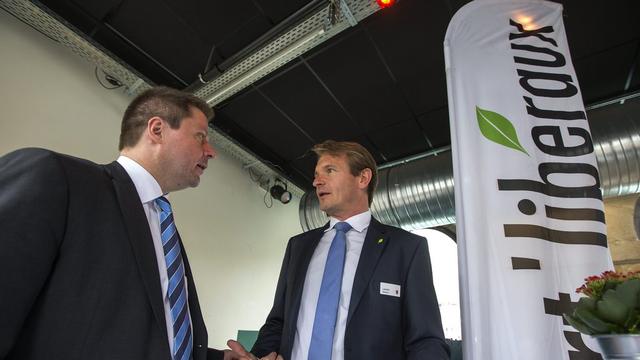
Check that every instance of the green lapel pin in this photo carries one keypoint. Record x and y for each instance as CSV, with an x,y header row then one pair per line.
x,y
380,241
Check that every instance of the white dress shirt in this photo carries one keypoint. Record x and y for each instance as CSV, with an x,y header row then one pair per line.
x,y
149,190
313,280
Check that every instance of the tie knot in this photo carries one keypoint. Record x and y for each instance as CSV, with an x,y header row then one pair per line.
x,y
164,204
342,227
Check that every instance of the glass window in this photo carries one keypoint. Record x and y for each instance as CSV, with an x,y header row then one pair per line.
x,y
444,263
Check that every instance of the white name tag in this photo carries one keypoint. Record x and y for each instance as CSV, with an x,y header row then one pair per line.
x,y
389,289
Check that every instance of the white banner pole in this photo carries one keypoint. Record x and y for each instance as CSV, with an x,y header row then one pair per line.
x,y
529,208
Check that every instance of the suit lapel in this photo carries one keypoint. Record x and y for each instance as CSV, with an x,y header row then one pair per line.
x,y
136,223
372,249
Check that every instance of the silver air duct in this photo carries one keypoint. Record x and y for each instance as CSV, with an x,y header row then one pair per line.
x,y
419,194
616,135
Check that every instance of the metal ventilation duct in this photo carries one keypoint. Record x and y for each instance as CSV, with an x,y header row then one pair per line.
x,y
616,135
419,194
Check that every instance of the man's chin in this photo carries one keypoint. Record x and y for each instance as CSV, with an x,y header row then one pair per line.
x,y
326,208
193,182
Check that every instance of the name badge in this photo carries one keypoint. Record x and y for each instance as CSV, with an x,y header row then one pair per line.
x,y
389,289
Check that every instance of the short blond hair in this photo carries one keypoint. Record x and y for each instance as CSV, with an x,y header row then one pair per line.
x,y
358,158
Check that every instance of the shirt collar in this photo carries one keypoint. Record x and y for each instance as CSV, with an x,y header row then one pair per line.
x,y
358,222
146,185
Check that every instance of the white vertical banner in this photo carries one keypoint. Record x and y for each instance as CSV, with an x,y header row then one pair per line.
x,y
529,208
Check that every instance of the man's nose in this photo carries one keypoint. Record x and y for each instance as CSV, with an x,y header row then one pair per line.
x,y
209,151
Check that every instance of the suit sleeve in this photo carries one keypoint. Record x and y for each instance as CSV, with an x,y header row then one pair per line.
x,y
33,204
424,338
270,334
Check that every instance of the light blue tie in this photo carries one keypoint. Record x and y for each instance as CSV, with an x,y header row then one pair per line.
x,y
324,323
177,291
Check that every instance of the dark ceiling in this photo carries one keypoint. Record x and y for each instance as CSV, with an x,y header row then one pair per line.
x,y
381,83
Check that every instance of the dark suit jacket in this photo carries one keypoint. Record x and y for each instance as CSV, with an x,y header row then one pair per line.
x,y
378,326
78,271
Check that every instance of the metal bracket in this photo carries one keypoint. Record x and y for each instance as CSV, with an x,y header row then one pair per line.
x,y
344,9
131,90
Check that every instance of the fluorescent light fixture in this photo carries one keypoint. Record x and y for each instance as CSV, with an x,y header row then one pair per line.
x,y
246,78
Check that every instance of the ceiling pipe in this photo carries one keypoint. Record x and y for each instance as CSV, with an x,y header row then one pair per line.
x,y
418,193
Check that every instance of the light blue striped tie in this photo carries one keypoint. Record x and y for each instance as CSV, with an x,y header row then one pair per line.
x,y
177,291
324,323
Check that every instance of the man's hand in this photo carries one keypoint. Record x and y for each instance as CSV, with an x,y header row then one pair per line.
x,y
238,352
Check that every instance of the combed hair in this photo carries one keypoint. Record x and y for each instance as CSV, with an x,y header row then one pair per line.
x,y
169,104
358,158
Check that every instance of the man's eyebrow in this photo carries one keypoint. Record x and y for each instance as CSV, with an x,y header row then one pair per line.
x,y
323,167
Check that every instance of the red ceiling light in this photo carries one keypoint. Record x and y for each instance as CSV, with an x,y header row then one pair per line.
x,y
385,3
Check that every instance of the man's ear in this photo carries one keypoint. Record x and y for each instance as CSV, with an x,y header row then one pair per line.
x,y
365,178
155,128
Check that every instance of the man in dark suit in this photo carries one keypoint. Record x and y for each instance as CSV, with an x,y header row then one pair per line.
x,y
91,266
381,304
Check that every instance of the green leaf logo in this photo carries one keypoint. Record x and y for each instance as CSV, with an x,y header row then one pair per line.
x,y
498,129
